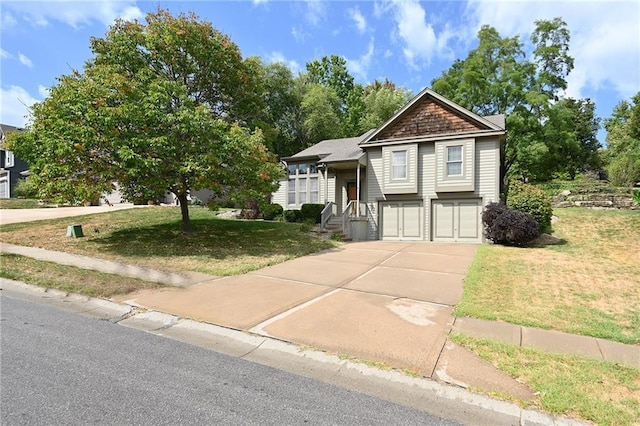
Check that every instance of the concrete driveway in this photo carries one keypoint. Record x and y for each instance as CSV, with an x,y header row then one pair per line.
x,y
29,215
382,301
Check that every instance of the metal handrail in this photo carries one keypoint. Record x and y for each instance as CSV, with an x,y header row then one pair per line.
x,y
328,211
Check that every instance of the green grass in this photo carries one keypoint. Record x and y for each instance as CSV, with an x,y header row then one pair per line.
x,y
67,278
597,391
20,203
152,237
588,285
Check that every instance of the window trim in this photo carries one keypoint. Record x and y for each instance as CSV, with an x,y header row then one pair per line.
x,y
395,166
447,162
9,159
299,178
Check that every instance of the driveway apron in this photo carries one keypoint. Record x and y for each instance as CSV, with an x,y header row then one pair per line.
x,y
375,301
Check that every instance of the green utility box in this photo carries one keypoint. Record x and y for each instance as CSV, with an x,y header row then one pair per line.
x,y
74,231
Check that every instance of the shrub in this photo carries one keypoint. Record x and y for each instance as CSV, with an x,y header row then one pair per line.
x,y
636,196
292,216
513,227
624,170
491,212
312,212
26,189
529,199
271,211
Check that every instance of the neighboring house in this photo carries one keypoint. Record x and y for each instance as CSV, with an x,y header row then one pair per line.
x,y
12,168
425,174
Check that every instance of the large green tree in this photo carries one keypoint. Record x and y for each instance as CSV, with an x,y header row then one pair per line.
x,y
623,142
160,107
498,77
381,100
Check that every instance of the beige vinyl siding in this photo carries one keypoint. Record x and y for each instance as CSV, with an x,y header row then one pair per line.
x,y
427,186
280,196
488,170
465,182
374,189
408,184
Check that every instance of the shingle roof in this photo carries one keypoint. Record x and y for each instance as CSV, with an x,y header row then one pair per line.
x,y
498,120
334,150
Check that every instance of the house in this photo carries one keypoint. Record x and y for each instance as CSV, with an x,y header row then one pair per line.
x,y
12,168
425,174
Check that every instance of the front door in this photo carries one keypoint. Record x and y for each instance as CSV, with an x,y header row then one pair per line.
x,y
352,195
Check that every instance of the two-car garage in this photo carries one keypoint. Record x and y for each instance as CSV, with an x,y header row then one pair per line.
x,y
456,220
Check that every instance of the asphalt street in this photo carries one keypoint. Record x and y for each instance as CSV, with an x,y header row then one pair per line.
x,y
59,367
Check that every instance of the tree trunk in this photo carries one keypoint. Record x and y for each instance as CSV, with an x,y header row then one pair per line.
x,y
184,209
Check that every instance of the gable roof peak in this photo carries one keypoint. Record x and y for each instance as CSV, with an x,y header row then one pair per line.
x,y
474,121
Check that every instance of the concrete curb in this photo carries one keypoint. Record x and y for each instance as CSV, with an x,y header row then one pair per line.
x,y
420,393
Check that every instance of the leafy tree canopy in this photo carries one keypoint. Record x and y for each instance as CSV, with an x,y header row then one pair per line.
x,y
546,134
160,107
623,142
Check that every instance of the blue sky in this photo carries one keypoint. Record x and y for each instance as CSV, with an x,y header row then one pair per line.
x,y
408,42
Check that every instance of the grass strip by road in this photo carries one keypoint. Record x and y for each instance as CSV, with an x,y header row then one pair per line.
x,y
152,237
20,203
588,285
601,392
68,278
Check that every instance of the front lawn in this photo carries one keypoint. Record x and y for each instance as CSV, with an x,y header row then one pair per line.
x,y
67,278
152,237
20,203
588,285
601,392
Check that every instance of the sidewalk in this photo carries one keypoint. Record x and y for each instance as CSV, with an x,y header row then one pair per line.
x,y
216,300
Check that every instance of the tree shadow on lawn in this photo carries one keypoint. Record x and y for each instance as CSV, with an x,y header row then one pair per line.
x,y
213,238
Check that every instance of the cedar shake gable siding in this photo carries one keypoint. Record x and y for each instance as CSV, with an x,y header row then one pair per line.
x,y
427,117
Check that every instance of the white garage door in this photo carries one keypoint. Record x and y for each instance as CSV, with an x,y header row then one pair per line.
x,y
457,220
401,220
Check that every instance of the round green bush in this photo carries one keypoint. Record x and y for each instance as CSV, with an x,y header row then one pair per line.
x,y
271,211
292,216
312,212
529,199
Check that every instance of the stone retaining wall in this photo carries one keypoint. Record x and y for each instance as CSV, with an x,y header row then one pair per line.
x,y
612,201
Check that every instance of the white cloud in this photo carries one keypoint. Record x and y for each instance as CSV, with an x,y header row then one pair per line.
x,y
358,19
299,35
316,12
4,54
73,13
419,38
15,103
388,53
604,37
360,67
24,60
43,91
275,57
8,20
259,1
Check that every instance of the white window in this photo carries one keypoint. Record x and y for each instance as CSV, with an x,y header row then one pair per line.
x,y
291,192
302,190
9,160
313,190
399,164
303,184
454,160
